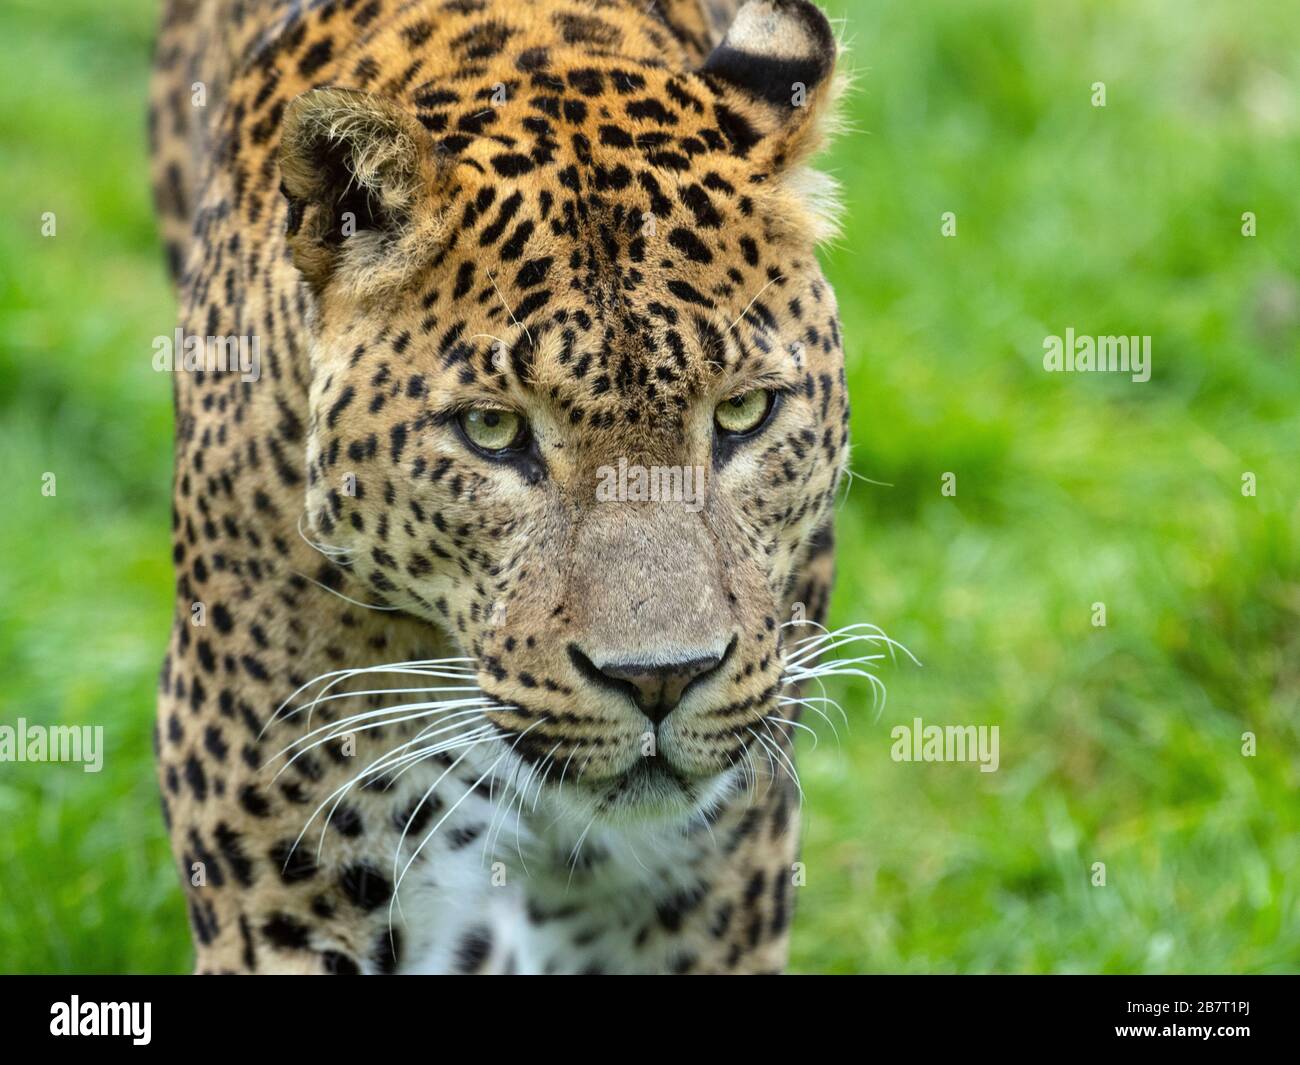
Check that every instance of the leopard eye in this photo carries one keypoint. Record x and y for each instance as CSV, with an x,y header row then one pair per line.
x,y
492,430
743,413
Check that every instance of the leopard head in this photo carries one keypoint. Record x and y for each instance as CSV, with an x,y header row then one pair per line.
x,y
577,391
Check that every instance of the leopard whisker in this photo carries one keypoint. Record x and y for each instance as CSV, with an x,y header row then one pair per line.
x,y
382,711
346,598
743,786
374,769
747,770
819,712
482,735
847,634
550,763
560,787
795,724
321,696
771,765
574,852
475,709
521,793
810,702
845,667
785,761
343,674
334,554
770,283
803,655
397,851
805,662
454,806
501,812
534,773
391,691
509,311
344,723
541,770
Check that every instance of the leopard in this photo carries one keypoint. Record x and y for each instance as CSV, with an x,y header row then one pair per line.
x,y
490,566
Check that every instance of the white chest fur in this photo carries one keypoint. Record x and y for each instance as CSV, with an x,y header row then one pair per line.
x,y
536,893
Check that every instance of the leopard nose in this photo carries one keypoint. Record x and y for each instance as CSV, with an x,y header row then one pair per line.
x,y
656,687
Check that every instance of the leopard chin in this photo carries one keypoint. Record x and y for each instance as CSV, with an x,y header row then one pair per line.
x,y
653,793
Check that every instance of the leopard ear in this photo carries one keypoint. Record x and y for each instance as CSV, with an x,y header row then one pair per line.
x,y
355,168
779,57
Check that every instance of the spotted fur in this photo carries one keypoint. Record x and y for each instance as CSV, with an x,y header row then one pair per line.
x,y
598,213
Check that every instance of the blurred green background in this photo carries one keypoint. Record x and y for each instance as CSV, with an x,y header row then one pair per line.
x,y
1119,744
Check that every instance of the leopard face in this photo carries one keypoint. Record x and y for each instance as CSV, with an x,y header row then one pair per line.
x,y
577,392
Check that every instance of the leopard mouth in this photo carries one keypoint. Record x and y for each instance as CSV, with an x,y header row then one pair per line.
x,y
648,776
651,790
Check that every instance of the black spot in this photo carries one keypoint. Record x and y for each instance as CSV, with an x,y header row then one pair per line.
x,y
689,293
249,953
533,272
512,164
196,778
653,110
429,99
473,949
464,279
347,821
671,911
505,213
459,838
293,863
388,951
253,801
587,29
215,742
531,59
337,964
588,82
689,244
340,405
528,305
231,845
254,668
397,440
417,33
316,57
366,886
615,137
413,821
284,931
513,248
701,206
203,922
483,41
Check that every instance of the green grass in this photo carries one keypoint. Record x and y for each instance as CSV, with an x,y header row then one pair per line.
x,y
1118,744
